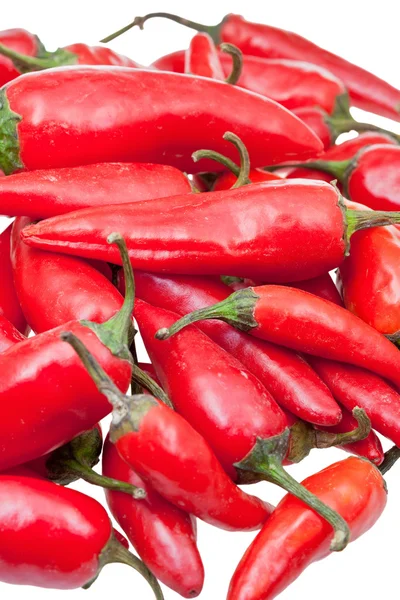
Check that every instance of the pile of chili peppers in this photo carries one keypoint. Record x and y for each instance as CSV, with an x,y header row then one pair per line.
x,y
203,201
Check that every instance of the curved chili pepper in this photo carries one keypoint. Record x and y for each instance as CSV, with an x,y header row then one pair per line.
x,y
9,335
9,304
367,91
47,193
165,450
54,288
305,323
280,230
40,128
73,532
288,378
294,536
19,40
47,384
162,534
201,58
314,118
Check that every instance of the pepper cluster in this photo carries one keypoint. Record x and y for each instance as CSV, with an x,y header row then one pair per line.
x,y
258,355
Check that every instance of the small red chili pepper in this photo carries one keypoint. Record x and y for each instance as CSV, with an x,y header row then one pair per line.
x,y
322,286
46,383
367,91
166,451
9,335
305,323
73,532
289,379
201,58
280,230
41,129
43,194
174,62
9,304
163,535
227,180
19,40
314,118
295,536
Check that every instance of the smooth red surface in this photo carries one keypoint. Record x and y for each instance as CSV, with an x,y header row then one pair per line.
x,y
9,335
280,230
99,55
21,41
306,323
322,286
226,180
46,394
314,118
289,379
295,536
163,535
54,288
174,62
9,304
366,90
50,536
46,193
201,58
81,115
215,393
180,465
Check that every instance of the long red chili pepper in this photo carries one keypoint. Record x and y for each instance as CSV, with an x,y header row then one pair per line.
x,y
166,451
21,41
9,335
305,323
47,384
295,536
283,231
284,373
50,192
367,91
162,534
64,137
9,304
73,532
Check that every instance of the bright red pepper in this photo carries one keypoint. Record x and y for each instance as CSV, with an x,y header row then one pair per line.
x,y
367,91
9,335
164,449
322,286
46,383
9,304
163,535
72,531
83,115
285,374
21,41
305,323
54,288
280,230
42,194
174,62
295,536
225,181
201,58
314,118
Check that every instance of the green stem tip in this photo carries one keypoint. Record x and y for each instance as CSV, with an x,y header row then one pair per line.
x,y
391,457
237,62
108,483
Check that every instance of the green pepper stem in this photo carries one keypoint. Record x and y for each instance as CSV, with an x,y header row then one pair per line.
x,y
356,220
394,337
266,458
144,380
108,483
326,439
237,62
337,168
26,64
391,456
212,30
343,125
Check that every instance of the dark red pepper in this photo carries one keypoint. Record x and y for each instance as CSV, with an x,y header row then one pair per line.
x,y
9,304
281,230
42,194
51,119
72,531
163,535
9,335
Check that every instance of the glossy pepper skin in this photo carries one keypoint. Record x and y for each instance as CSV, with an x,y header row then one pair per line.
x,y
288,378
281,230
314,118
9,335
294,536
51,192
226,180
21,41
54,288
69,137
201,58
216,394
163,535
9,304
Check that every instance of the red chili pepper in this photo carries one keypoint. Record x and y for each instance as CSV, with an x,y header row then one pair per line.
x,y
295,536
174,62
72,531
51,192
284,373
314,118
163,535
64,136
227,180
283,231
9,335
46,384
367,91
305,323
21,41
322,286
9,304
165,450
201,58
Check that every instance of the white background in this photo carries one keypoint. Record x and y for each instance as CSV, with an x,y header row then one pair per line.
x,y
363,32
